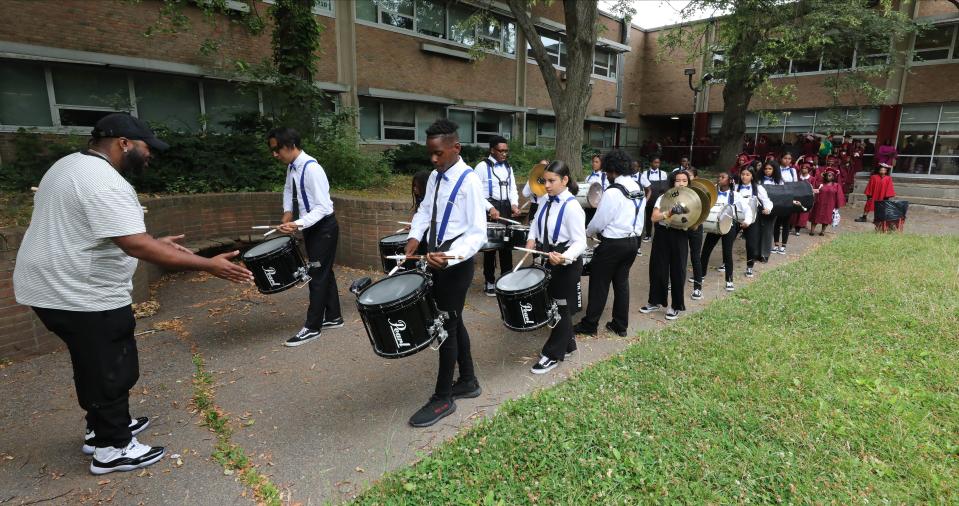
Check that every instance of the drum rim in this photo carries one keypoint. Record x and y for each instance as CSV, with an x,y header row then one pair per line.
x,y
393,235
525,291
289,242
394,303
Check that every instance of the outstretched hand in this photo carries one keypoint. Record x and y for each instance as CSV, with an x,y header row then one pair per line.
x,y
223,268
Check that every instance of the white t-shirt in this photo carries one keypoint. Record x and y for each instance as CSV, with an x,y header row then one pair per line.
x,y
67,259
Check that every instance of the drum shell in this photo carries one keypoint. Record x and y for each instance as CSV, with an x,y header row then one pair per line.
x,y
587,258
278,269
715,225
401,327
495,237
782,197
891,210
393,248
518,235
533,303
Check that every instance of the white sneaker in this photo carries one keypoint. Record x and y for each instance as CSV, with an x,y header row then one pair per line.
x,y
672,314
649,308
136,426
134,456
721,268
782,250
729,286
490,290
749,272
697,294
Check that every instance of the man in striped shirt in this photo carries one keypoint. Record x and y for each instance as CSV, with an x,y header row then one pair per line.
x,y
75,269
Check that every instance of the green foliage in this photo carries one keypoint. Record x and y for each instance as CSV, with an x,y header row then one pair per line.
x,y
852,399
338,152
33,155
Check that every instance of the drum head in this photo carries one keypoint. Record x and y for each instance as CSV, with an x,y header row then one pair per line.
x,y
395,239
266,247
495,226
520,280
391,289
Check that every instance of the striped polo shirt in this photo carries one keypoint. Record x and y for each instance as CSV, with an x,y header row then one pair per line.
x,y
67,259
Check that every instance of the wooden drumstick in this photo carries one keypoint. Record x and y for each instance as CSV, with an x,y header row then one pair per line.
x,y
507,220
521,260
533,251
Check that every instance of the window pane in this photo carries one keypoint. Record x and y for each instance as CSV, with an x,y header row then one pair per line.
x,y
931,55
398,114
365,10
80,117
224,101
917,142
487,122
91,87
920,114
23,95
837,59
431,18
612,65
546,134
805,65
396,20
369,119
509,38
940,36
426,114
465,120
948,141
945,165
531,129
459,29
169,101
323,5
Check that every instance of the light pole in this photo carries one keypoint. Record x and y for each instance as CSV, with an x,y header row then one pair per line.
x,y
690,72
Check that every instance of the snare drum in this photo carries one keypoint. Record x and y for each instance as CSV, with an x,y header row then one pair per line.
x,y
746,211
524,303
720,219
394,245
276,265
518,234
400,315
495,237
587,258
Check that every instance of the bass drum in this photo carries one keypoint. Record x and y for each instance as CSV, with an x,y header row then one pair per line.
x,y
400,315
523,300
276,265
783,195
720,219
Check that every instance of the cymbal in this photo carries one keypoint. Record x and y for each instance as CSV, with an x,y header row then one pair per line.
x,y
710,188
595,194
704,200
689,200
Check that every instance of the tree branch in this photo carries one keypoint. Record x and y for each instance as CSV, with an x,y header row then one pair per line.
x,y
518,8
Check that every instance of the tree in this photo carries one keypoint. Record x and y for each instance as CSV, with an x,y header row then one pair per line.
x,y
756,37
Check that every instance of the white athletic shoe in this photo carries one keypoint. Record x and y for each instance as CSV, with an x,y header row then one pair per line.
x,y
133,456
136,426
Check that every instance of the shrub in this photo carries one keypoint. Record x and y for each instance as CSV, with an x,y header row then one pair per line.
x,y
33,155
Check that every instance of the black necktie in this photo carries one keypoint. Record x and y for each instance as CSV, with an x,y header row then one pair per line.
x,y
296,200
432,245
549,203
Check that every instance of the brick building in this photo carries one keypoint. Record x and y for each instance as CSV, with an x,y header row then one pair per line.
x,y
405,62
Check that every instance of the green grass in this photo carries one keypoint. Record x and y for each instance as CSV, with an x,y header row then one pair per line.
x,y
832,379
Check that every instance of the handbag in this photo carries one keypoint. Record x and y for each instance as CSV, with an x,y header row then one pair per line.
x,y
835,217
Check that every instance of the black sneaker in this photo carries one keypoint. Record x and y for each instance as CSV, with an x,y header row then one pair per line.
x,y
334,323
136,426
490,290
584,329
434,410
569,354
697,294
649,308
304,336
466,389
133,456
673,314
610,326
544,365
861,219
749,272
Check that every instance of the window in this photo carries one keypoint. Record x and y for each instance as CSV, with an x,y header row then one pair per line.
x,y
366,10
805,64
491,35
426,114
540,132
934,43
398,13
929,139
173,102
23,95
604,63
399,121
323,5
601,136
836,59
460,29
431,18
465,120
224,101
554,48
83,96
488,125
872,52
369,119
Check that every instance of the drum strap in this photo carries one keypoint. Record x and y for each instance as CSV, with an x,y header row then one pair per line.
x,y
559,219
637,202
449,205
490,175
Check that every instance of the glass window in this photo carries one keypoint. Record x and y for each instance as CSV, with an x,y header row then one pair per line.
x,y
807,64
945,165
460,29
369,119
23,95
431,18
398,13
604,63
426,114
715,123
323,5
920,114
487,125
509,38
546,134
531,129
553,49
933,43
224,101
465,121
872,52
365,10
837,59
491,35
600,136
173,102
399,121
91,87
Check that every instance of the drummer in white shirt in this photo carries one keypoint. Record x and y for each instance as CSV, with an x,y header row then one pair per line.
x,y
454,216
789,174
618,223
596,176
502,200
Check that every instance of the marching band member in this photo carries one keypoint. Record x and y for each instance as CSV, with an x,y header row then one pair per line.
x,y
767,223
618,223
597,176
654,182
781,229
695,236
560,230
727,194
534,199
748,189
496,178
453,214
669,256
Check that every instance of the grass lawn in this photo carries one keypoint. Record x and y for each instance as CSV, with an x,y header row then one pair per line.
x,y
832,379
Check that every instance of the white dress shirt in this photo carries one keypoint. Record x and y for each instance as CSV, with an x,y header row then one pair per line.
x,y
770,180
312,191
597,177
573,228
648,176
467,218
617,216
727,196
790,174
497,183
745,192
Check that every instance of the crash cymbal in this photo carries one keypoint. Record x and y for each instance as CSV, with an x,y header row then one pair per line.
x,y
689,200
595,194
704,201
710,188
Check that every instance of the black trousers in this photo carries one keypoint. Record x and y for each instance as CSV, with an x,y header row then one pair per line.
x,y
751,234
449,288
611,262
728,239
105,366
562,288
648,228
767,225
695,255
321,241
505,254
668,265
781,230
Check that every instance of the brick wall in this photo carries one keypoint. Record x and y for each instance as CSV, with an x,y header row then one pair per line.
x,y
209,221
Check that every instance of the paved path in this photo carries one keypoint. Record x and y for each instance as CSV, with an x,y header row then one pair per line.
x,y
322,421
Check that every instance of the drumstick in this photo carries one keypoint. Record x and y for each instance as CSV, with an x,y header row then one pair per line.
x,y
421,257
521,260
270,232
507,220
404,223
263,227
524,206
533,251
398,267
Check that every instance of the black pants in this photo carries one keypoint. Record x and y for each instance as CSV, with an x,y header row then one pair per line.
x,y
320,242
695,255
767,225
505,254
105,366
449,287
751,234
781,230
668,265
728,239
562,289
648,229
611,262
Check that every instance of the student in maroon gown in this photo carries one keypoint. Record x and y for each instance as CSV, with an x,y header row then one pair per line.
x,y
829,198
879,188
800,219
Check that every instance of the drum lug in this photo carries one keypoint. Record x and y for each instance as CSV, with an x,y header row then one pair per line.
x,y
438,330
554,316
304,277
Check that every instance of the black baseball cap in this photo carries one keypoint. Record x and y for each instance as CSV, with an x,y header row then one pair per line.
x,y
121,124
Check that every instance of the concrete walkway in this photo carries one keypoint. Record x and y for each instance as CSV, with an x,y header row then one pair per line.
x,y
322,420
